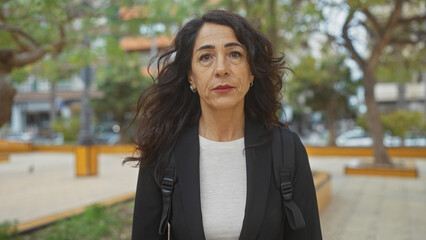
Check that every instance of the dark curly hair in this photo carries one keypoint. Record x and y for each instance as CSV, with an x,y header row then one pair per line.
x,y
168,105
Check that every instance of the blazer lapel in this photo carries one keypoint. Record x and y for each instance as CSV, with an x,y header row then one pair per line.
x,y
187,154
258,162
258,167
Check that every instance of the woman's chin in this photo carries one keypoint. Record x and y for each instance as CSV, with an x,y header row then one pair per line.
x,y
227,105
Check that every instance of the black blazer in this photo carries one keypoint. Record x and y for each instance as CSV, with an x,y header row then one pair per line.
x,y
263,214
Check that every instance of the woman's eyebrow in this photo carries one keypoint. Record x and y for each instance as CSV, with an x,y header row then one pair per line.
x,y
233,44
205,47
226,45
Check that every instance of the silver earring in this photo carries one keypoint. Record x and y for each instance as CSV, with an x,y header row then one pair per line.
x,y
192,89
251,84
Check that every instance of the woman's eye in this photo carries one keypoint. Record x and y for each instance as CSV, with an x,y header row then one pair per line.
x,y
235,54
205,57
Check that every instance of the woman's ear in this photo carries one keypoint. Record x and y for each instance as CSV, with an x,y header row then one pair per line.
x,y
191,82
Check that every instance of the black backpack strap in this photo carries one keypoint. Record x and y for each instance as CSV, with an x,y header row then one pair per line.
x,y
284,166
167,185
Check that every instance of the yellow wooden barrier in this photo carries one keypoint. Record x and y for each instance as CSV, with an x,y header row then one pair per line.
x,y
86,162
86,157
53,148
4,157
11,147
397,170
7,147
414,152
323,190
116,148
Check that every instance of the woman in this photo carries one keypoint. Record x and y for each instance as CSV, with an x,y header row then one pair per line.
x,y
212,110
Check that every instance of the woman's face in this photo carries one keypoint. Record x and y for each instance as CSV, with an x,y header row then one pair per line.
x,y
219,68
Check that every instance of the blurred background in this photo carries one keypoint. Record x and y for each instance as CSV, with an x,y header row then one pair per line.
x,y
69,66
71,71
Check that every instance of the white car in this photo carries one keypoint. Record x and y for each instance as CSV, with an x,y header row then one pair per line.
x,y
357,137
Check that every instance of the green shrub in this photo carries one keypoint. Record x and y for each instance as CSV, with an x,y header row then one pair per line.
x,y
97,222
7,230
399,123
90,226
68,127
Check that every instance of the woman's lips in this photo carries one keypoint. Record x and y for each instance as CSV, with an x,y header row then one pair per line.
x,y
223,88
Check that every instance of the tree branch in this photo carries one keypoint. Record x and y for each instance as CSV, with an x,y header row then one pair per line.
x,y
26,58
387,34
348,42
376,26
419,19
403,42
371,33
334,39
18,42
19,31
59,46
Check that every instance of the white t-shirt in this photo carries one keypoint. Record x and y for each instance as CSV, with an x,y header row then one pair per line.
x,y
223,188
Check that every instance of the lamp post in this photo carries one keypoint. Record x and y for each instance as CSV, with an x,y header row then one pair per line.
x,y
86,155
85,136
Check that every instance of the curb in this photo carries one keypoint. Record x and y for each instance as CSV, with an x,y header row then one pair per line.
x,y
33,225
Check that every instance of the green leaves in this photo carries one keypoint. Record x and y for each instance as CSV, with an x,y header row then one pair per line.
x,y
121,82
322,84
400,123
7,230
69,127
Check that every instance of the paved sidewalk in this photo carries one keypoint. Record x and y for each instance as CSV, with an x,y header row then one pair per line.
x,y
376,208
35,185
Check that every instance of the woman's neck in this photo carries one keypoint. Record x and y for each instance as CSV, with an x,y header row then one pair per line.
x,y
222,125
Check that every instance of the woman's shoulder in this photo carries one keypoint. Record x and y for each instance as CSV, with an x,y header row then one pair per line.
x,y
286,130
290,139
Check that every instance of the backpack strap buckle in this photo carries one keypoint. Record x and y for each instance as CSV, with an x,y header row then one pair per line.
x,y
287,191
167,186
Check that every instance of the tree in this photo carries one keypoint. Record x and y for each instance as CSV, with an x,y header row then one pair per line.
x,y
390,26
287,23
400,123
30,30
326,86
121,83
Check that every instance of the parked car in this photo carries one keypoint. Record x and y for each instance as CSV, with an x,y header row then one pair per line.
x,y
37,138
23,137
108,133
358,137
415,140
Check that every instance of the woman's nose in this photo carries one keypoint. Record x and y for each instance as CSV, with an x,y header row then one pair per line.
x,y
222,67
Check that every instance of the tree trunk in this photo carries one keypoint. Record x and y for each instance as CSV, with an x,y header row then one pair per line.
x,y
331,118
85,136
423,79
401,96
373,118
272,24
52,107
7,93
